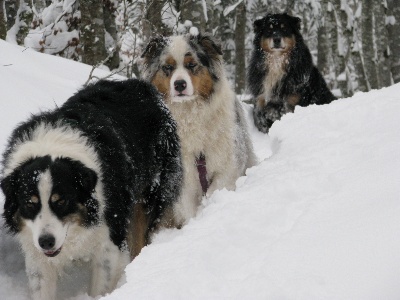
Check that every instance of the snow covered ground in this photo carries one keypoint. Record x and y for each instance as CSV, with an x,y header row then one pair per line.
x,y
318,218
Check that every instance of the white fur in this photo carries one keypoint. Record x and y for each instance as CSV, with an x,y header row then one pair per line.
x,y
208,128
181,74
275,62
46,222
178,48
89,244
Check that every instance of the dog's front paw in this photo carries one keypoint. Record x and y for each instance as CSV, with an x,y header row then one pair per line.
x,y
266,115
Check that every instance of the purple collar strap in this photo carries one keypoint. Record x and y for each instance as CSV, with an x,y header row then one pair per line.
x,y
202,169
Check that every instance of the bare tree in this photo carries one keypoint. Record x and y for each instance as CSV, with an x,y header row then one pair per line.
x,y
92,31
11,8
240,53
382,44
192,10
394,38
111,28
153,23
324,56
368,44
3,25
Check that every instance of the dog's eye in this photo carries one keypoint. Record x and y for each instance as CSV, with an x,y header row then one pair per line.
x,y
61,202
167,69
32,201
191,65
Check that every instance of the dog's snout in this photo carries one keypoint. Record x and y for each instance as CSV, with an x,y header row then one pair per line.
x,y
47,241
180,85
277,42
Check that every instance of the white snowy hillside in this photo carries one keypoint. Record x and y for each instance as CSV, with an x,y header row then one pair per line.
x,y
318,218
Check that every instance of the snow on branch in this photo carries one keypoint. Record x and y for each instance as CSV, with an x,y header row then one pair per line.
x,y
229,9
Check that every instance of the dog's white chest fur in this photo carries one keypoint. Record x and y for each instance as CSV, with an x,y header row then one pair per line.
x,y
206,128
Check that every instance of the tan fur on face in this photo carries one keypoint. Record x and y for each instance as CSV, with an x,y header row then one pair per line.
x,y
201,78
161,82
203,83
289,43
54,197
77,218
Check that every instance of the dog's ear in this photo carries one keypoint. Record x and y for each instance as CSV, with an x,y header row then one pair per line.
x,y
257,25
296,22
209,45
9,186
154,47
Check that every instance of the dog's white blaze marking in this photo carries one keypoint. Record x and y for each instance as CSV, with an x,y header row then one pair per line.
x,y
178,48
46,222
181,74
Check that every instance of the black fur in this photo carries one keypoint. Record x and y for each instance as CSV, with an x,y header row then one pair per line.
x,y
72,181
137,144
301,78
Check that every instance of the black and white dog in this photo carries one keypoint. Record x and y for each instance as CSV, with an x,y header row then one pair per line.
x,y
281,73
216,149
91,180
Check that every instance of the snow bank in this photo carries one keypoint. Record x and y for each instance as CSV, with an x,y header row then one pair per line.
x,y
318,218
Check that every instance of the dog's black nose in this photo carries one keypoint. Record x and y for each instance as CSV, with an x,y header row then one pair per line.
x,y
180,85
277,42
47,241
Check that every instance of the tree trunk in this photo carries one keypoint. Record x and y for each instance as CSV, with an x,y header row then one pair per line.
x,y
3,24
240,35
394,38
92,32
152,24
192,10
324,55
227,36
382,45
11,7
111,28
368,44
341,47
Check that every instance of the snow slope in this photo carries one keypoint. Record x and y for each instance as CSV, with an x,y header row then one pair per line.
x,y
318,218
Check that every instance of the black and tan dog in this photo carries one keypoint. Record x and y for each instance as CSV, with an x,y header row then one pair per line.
x,y
281,73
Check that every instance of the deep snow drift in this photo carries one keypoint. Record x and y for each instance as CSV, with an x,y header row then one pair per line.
x,y
318,218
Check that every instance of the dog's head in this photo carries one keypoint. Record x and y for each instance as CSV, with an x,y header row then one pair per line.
x,y
183,68
276,33
45,197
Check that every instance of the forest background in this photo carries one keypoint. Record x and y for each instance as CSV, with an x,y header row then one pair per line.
x,y
354,43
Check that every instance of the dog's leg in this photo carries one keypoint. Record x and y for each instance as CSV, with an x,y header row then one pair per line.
x,y
42,279
186,206
107,267
138,230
